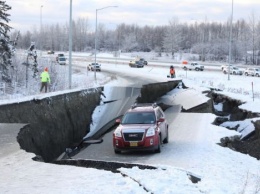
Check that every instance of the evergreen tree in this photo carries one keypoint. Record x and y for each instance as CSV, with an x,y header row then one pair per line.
x,y
5,49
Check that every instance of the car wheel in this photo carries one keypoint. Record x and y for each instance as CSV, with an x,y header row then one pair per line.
x,y
234,73
185,68
158,150
166,140
257,75
246,74
117,151
224,72
196,69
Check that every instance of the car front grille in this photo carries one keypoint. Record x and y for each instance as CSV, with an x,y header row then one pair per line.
x,y
133,136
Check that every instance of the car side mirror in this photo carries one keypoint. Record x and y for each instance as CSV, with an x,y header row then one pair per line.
x,y
118,121
161,120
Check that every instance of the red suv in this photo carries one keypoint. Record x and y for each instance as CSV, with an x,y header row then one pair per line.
x,y
143,127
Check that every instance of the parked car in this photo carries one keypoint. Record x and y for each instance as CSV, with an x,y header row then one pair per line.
x,y
143,127
62,60
94,66
136,64
143,61
252,72
50,52
233,70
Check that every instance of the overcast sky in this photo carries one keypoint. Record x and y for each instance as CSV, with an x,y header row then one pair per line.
x,y
26,14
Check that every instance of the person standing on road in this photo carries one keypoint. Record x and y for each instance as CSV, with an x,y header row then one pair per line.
x,y
45,79
172,72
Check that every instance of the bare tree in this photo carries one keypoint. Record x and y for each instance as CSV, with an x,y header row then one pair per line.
x,y
173,38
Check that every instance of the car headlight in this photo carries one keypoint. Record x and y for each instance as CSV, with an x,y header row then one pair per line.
x,y
150,132
117,132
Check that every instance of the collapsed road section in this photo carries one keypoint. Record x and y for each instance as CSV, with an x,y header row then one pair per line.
x,y
56,121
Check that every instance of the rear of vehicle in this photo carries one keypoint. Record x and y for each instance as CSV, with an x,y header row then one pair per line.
x,y
141,128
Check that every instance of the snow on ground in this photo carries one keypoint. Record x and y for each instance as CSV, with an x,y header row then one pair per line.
x,y
221,170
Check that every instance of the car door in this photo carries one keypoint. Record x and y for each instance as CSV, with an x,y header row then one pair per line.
x,y
161,125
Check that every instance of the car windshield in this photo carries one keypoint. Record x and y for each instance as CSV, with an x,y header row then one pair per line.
x,y
93,64
235,68
139,118
62,59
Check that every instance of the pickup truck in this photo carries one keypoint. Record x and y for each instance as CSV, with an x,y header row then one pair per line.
x,y
193,66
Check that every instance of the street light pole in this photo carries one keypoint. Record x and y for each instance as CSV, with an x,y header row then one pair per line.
x,y
40,46
230,42
70,44
96,39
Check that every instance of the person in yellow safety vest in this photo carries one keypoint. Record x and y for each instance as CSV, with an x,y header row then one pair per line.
x,y
45,79
172,72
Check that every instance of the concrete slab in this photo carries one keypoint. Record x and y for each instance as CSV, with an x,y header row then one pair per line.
x,y
188,98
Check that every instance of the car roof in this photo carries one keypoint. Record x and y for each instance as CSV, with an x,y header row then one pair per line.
x,y
143,107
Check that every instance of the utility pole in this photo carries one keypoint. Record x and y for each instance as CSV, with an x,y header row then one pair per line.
x,y
230,42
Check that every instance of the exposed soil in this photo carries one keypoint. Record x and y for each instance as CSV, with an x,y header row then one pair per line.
x,y
251,144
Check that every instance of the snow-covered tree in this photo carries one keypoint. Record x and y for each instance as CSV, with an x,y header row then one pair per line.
x,y
5,47
173,36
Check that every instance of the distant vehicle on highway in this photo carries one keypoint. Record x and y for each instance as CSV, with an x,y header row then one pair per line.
x,y
136,64
94,66
62,60
59,55
193,66
143,61
252,72
233,70
50,52
143,127
225,66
